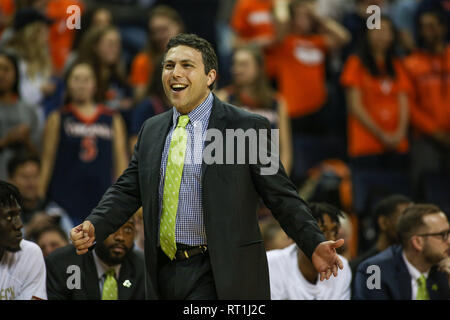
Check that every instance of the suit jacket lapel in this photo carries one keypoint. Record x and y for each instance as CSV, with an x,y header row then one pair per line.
x,y
216,121
126,273
91,282
403,276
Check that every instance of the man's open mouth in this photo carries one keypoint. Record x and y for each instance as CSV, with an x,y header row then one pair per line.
x,y
178,87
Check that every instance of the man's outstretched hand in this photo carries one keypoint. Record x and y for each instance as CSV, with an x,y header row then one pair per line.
x,y
83,236
326,260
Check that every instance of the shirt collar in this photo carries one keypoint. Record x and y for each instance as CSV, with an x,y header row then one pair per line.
x,y
102,268
415,274
199,113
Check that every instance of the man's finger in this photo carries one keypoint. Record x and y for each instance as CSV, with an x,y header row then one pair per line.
x,y
340,264
328,273
322,276
335,270
86,228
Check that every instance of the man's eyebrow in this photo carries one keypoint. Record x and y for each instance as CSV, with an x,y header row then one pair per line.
x,y
182,61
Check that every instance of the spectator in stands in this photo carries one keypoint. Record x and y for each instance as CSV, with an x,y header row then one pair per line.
x,y
30,43
112,271
378,114
22,268
429,71
84,147
273,236
139,242
409,271
293,276
304,41
19,128
23,173
387,213
250,90
61,37
101,47
163,24
51,238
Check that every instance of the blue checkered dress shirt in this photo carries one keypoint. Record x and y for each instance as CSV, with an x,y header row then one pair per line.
x,y
189,228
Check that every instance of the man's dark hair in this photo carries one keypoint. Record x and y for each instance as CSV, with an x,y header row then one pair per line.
x,y
387,206
9,195
412,220
193,41
319,209
19,159
14,60
51,228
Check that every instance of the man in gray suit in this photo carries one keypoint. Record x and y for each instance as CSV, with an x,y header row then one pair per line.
x,y
202,239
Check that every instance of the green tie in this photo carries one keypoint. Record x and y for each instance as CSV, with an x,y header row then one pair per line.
x,y
110,286
174,171
422,292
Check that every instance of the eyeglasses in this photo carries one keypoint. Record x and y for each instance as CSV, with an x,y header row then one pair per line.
x,y
443,234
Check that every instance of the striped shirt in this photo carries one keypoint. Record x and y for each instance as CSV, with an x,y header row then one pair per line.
x,y
189,228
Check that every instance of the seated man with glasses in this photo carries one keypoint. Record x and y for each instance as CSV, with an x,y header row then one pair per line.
x,y
410,271
293,276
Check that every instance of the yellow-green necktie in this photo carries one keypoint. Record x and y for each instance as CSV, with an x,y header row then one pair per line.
x,y
172,180
110,291
422,292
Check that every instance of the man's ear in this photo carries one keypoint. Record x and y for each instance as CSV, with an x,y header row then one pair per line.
x,y
212,75
417,242
382,223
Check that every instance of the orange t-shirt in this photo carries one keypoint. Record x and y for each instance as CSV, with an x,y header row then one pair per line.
x,y
141,69
7,8
379,96
430,100
301,73
253,19
61,37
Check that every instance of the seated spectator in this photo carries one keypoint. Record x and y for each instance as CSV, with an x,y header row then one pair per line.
x,y
80,158
304,42
376,89
409,271
273,236
163,24
19,124
112,271
387,213
51,238
293,276
22,267
155,102
30,43
24,172
250,90
429,70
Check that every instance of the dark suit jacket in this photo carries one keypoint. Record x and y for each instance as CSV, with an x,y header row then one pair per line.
x,y
230,199
395,279
57,264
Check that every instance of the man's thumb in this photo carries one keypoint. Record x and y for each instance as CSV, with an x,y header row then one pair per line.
x,y
86,228
338,243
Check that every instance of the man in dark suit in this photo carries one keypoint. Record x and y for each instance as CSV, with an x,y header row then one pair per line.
x,y
409,271
202,239
113,271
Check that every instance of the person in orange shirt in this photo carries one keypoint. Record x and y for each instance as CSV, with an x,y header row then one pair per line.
x,y
429,71
60,36
376,90
303,42
163,24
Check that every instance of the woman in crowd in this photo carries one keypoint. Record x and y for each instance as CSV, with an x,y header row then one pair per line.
x,y
250,90
84,147
163,24
376,91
